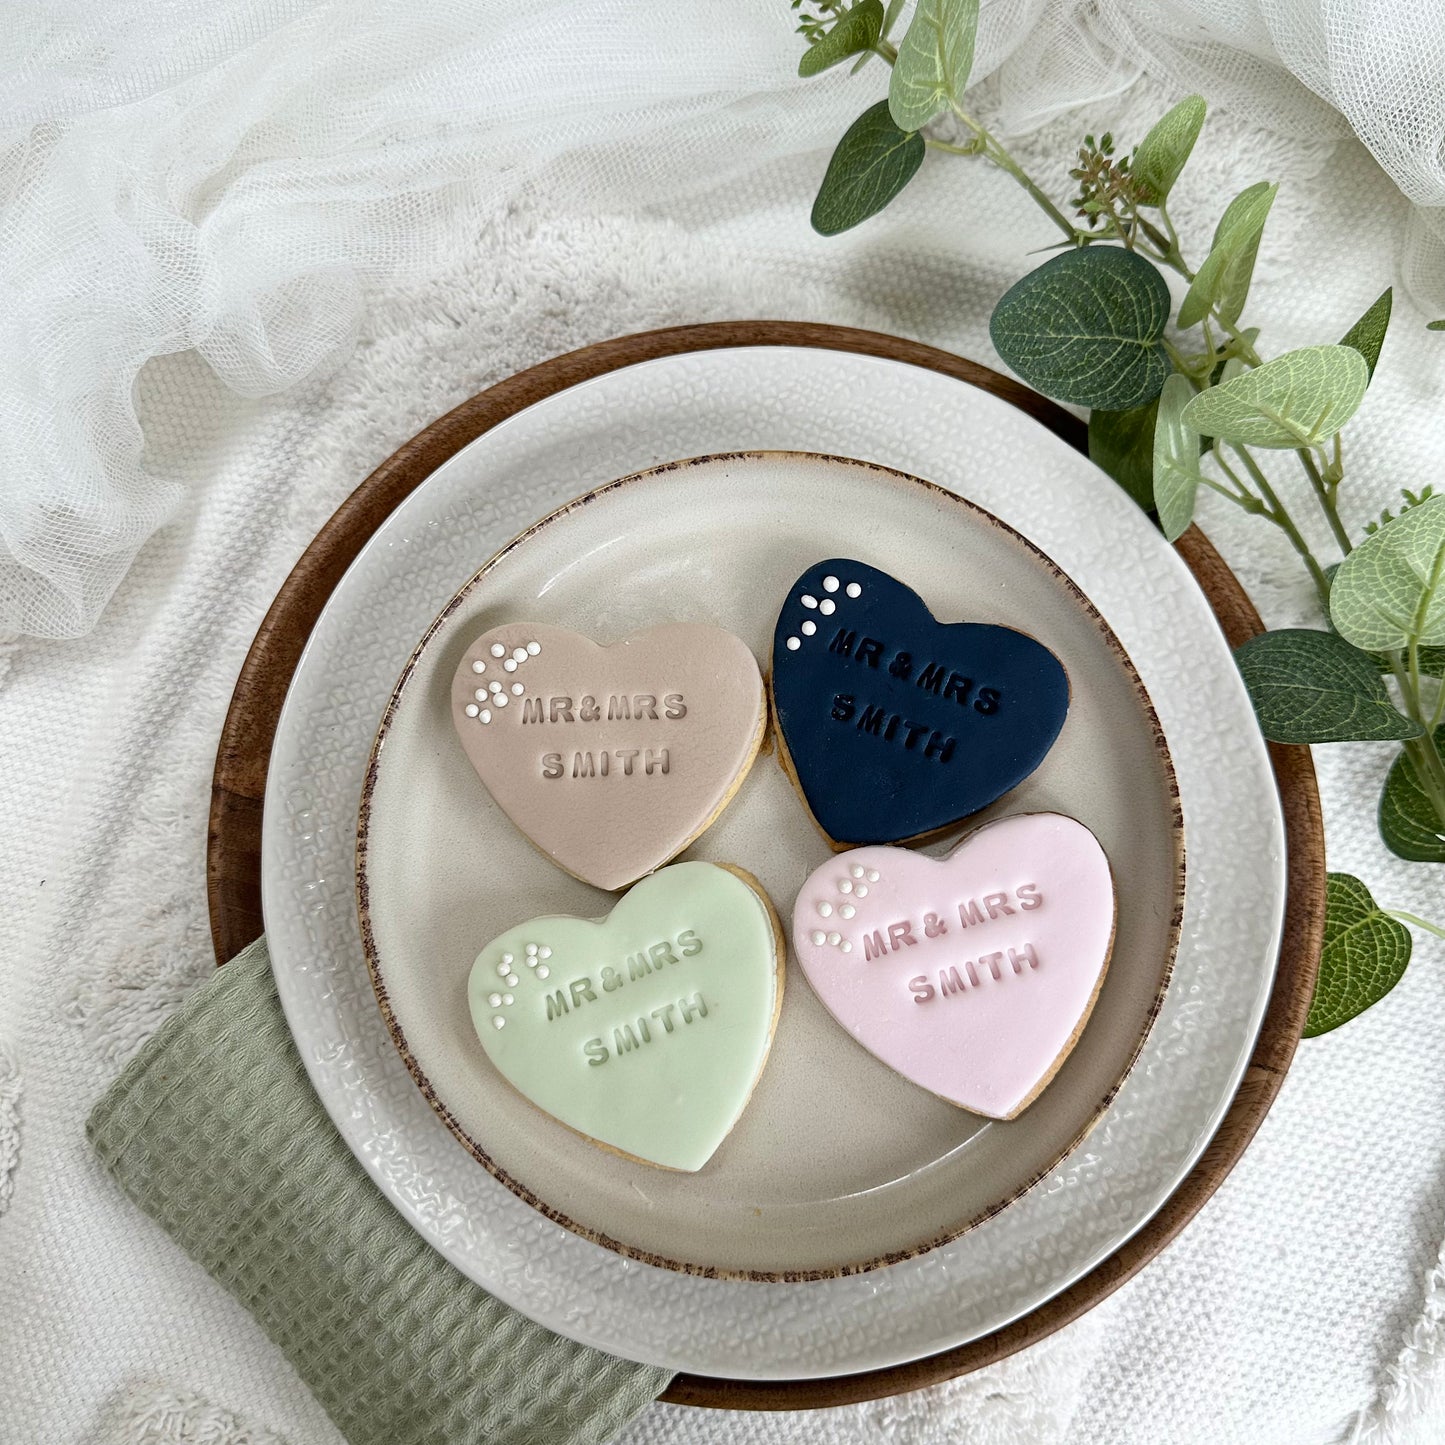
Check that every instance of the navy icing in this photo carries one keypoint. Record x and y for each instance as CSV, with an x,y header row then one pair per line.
x,y
897,724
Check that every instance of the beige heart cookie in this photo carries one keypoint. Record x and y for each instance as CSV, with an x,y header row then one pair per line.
x,y
610,759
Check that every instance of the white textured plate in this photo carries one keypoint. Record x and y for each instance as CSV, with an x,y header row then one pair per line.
x,y
838,1162
784,398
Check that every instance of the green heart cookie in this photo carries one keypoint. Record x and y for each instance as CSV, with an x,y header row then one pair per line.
x,y
646,1030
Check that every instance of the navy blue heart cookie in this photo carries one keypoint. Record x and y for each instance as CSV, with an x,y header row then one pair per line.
x,y
895,725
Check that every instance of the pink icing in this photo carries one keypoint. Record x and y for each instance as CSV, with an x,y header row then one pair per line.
x,y
971,975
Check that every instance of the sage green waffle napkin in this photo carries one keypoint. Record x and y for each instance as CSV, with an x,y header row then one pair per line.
x,y
213,1129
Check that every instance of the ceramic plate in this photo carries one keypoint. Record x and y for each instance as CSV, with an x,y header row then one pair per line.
x,y
838,1164
1152,1129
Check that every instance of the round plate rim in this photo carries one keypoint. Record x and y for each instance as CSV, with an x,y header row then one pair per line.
x,y
374,963
233,854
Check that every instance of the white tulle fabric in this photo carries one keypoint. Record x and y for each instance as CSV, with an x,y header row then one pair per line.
x,y
232,177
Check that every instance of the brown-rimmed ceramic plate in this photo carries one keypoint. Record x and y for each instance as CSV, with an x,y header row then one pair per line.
x,y
838,1165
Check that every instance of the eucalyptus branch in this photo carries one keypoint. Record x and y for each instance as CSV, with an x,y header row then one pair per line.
x,y
1089,327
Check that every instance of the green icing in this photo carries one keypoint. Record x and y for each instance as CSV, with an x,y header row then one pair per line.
x,y
647,1029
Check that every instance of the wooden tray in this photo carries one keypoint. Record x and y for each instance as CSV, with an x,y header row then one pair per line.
x,y
233,859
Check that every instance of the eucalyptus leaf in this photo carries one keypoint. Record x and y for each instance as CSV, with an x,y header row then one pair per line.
x,y
890,16
1367,335
1408,822
1365,953
872,163
1161,155
1176,459
933,62
1122,444
855,30
1390,591
1311,686
1435,325
1223,280
1299,399
1087,328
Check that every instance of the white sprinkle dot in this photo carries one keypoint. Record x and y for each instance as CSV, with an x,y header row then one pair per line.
x,y
818,936
505,966
856,870
510,665
809,628
830,584
533,648
853,590
512,979
486,716
479,666
471,709
543,971
531,948
495,999
827,607
825,908
480,694
493,686
498,1021
498,650
872,875
517,689
519,654
793,644
508,999
845,947
502,699
861,891
531,961
835,939
847,910
544,952
845,885
808,600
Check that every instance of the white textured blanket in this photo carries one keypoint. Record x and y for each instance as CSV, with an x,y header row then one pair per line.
x,y
1304,1305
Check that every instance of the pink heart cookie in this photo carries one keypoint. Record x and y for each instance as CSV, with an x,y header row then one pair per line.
x,y
610,759
971,975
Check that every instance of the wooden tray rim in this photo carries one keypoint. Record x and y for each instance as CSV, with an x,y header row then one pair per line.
x,y
233,854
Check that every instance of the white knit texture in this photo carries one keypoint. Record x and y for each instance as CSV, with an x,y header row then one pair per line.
x,y
1304,1304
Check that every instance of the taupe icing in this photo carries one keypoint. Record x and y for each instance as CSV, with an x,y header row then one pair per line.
x,y
610,759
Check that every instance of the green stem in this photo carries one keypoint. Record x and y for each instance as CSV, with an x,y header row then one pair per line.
x,y
1241,495
1415,921
934,144
1438,712
1174,257
1429,765
1005,162
1276,511
1325,495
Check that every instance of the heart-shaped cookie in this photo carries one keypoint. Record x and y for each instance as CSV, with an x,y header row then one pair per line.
x,y
646,1030
610,759
893,725
971,975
